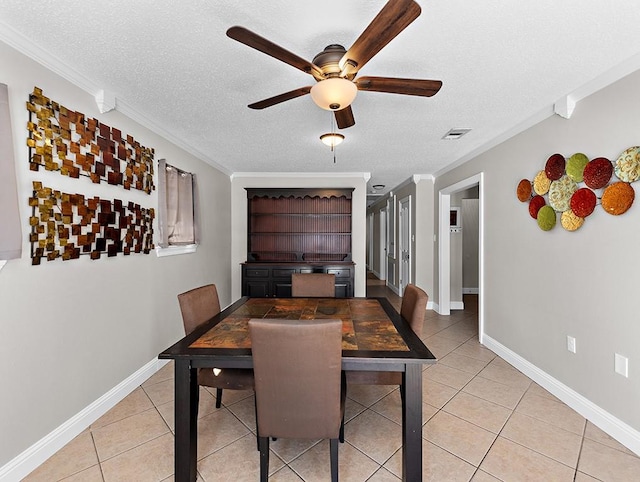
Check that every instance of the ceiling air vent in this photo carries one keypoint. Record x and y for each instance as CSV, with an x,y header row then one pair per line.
x,y
455,133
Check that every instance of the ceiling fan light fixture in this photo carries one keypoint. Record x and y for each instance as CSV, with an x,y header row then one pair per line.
x,y
332,139
334,93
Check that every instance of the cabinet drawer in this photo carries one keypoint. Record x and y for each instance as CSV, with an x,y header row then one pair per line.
x,y
340,273
257,273
283,273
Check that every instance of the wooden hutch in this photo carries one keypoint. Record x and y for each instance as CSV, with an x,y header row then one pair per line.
x,y
297,230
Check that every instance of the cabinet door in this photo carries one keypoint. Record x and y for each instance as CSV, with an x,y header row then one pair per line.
x,y
256,288
282,289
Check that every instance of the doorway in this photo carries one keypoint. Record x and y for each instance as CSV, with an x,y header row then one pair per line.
x,y
444,251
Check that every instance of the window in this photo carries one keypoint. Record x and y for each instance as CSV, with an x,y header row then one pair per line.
x,y
177,210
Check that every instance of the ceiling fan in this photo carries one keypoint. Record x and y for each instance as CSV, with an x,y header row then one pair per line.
x,y
335,68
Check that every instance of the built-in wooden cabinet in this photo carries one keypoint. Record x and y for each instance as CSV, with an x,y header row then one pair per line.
x,y
297,231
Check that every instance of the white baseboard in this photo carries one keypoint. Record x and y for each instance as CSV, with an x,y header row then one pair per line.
x,y
470,291
393,288
457,305
623,433
26,462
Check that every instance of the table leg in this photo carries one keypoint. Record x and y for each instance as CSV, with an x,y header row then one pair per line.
x,y
412,423
186,421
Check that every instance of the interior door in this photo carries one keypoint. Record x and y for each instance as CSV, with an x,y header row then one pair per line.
x,y
404,220
383,244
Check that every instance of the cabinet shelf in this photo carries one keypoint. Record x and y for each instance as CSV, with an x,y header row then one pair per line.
x,y
311,227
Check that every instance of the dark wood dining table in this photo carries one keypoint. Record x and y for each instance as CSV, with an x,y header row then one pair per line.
x,y
375,338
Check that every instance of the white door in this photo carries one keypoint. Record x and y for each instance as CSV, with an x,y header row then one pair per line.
x,y
383,244
370,243
404,228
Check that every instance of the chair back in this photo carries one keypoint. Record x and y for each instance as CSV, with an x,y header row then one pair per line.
x,y
297,366
313,285
414,304
198,306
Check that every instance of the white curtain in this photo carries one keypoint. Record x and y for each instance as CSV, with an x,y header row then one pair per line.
x,y
176,206
10,229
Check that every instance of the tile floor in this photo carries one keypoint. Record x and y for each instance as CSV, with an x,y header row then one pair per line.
x,y
483,421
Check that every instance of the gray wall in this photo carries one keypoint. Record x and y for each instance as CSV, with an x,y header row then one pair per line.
x,y
71,331
540,286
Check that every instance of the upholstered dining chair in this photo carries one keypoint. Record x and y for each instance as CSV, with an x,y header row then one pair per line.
x,y
313,285
300,390
412,309
198,306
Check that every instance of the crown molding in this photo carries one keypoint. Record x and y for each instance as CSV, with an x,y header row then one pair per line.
x,y
338,175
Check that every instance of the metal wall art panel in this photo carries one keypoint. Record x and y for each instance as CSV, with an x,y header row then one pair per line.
x,y
69,225
64,140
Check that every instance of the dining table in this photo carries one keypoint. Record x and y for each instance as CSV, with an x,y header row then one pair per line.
x,y
374,338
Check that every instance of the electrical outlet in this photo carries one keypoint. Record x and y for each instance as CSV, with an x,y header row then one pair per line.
x,y
571,344
622,365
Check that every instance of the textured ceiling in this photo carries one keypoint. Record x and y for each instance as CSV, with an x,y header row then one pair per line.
x,y
501,62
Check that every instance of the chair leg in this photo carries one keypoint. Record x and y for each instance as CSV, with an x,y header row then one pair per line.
x,y
333,448
218,397
263,446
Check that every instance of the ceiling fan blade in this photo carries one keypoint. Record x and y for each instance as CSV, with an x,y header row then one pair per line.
x,y
344,118
280,98
257,42
394,17
423,88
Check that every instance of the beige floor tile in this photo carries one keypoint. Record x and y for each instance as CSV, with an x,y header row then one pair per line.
x,y
118,437
594,433
463,362
206,406
165,373
441,346
352,409
217,430
245,411
506,376
461,438
289,449
494,392
76,456
535,389
383,475
238,461
285,474
478,411
446,375
436,394
374,435
149,462
391,407
481,476
161,392
606,463
459,332
438,465
314,465
550,411
92,474
580,477
367,395
474,349
433,326
509,461
544,438
136,402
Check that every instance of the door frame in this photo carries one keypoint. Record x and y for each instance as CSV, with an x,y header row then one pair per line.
x,y
444,251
